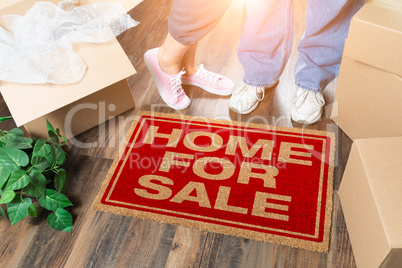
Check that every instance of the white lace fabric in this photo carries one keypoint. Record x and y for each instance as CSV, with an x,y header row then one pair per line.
x,y
37,48
208,76
313,98
175,83
250,92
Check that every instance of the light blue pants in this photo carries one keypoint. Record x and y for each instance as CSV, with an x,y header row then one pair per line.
x,y
267,36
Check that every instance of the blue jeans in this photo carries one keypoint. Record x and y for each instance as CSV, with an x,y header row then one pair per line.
x,y
267,36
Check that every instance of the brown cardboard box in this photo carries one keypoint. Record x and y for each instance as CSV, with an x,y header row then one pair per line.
x,y
369,91
392,4
103,92
371,198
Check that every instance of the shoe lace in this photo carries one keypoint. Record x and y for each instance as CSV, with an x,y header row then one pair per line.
x,y
208,76
315,98
249,91
175,85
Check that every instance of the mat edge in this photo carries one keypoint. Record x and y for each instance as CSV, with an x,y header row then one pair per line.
x,y
316,246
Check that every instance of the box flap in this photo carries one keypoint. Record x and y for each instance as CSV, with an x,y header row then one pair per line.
x,y
382,160
366,232
367,101
17,7
375,38
7,3
390,4
107,64
394,259
128,4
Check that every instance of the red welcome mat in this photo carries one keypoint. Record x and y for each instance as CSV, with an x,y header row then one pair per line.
x,y
260,182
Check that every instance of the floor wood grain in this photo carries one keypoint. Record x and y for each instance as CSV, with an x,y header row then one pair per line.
x,y
102,239
147,244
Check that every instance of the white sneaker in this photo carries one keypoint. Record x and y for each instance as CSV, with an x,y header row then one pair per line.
x,y
307,106
246,98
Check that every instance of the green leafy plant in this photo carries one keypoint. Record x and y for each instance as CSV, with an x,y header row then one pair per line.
x,y
31,169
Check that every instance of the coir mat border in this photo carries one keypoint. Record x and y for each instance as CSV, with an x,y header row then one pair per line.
x,y
227,230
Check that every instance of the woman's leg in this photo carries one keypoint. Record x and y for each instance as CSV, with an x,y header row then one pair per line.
x,y
188,23
170,55
188,60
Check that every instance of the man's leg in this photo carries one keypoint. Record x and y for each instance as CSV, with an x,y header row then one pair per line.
x,y
266,40
320,49
264,50
320,52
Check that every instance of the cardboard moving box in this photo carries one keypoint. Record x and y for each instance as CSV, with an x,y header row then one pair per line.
x,y
102,93
371,199
369,91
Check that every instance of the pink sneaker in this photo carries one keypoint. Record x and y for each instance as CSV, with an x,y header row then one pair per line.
x,y
169,86
212,82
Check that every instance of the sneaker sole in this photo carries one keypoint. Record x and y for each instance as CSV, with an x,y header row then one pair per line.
x,y
208,89
252,108
305,122
158,85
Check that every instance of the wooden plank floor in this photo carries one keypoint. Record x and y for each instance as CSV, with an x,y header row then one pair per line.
x,y
102,239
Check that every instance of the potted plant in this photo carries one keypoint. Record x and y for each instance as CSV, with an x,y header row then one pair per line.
x,y
31,175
